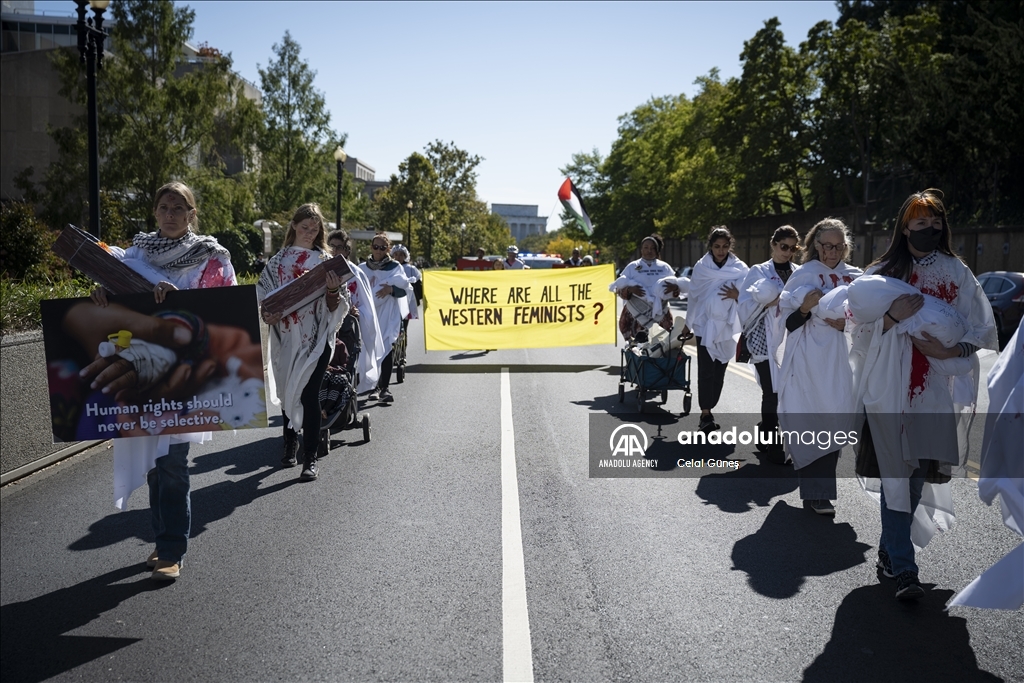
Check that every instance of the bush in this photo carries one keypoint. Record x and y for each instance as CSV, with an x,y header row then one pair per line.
x,y
24,242
245,242
19,301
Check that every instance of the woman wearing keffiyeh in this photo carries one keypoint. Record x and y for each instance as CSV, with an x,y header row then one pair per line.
x,y
302,341
173,257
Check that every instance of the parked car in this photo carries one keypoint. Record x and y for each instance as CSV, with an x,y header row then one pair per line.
x,y
1005,291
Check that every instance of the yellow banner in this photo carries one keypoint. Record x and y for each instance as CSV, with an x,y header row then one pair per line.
x,y
518,309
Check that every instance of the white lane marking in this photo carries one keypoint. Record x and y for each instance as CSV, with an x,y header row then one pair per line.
x,y
517,649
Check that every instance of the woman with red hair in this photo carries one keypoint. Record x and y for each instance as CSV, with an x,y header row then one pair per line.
x,y
914,387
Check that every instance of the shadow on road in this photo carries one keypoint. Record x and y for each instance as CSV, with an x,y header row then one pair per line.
x,y
752,485
33,647
876,638
791,545
209,504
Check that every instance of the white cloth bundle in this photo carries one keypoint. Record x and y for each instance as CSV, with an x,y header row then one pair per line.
x,y
761,287
815,378
832,306
872,295
647,275
711,317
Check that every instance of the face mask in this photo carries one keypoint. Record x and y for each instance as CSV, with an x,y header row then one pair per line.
x,y
925,241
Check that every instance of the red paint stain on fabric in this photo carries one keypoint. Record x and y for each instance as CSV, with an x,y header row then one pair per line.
x,y
946,291
919,367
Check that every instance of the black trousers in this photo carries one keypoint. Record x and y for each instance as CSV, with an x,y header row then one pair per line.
x,y
769,399
710,378
385,370
311,405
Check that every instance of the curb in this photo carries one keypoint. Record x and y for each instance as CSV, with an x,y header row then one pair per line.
x,y
36,465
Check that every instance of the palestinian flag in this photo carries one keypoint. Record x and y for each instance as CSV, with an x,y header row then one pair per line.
x,y
572,200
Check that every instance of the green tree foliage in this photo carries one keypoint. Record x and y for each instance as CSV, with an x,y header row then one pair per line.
x,y
160,114
766,123
297,142
416,182
895,97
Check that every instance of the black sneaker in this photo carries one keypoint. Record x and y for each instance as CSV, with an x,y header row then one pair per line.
x,y
884,564
309,470
908,587
708,424
821,507
386,397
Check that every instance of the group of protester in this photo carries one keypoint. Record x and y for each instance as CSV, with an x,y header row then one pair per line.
x,y
832,345
377,301
898,342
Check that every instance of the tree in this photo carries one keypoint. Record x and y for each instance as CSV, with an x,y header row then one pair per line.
x,y
767,124
296,145
159,116
416,182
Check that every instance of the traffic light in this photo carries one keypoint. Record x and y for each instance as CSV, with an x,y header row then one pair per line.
x,y
597,255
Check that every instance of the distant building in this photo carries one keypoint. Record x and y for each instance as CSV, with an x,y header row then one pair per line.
x,y
30,90
522,219
365,174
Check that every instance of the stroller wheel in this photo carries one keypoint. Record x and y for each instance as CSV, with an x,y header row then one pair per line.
x,y
324,447
400,373
664,396
687,403
622,392
366,428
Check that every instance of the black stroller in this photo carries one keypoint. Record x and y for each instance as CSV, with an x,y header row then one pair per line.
x,y
339,404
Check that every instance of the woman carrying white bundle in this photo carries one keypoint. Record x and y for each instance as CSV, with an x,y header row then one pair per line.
x,y
643,295
815,379
911,406
391,289
711,314
764,326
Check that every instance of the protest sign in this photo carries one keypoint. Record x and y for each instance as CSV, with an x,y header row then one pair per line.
x,y
518,309
191,364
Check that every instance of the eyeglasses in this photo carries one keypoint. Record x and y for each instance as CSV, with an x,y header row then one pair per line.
x,y
827,247
174,211
380,247
785,247
339,247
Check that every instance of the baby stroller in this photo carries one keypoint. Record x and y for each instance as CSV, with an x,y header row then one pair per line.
x,y
399,348
339,404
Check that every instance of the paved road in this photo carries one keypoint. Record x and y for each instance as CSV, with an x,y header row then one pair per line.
x,y
391,566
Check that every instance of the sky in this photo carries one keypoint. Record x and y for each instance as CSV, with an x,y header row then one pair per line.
x,y
522,84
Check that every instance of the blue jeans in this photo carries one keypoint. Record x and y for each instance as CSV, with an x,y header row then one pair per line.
x,y
895,538
170,503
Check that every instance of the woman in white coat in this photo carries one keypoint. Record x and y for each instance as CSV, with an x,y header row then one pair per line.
x,y
711,315
302,341
639,286
815,380
763,326
391,289
906,384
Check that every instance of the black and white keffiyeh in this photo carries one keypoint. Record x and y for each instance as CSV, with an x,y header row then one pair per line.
x,y
188,251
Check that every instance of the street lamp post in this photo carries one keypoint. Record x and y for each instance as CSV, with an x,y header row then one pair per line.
x,y
430,238
339,156
408,207
90,48
462,240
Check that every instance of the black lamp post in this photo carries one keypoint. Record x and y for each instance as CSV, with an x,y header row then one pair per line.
x,y
430,238
339,156
408,207
90,47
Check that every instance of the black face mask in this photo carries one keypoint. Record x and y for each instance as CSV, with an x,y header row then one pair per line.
x,y
925,241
